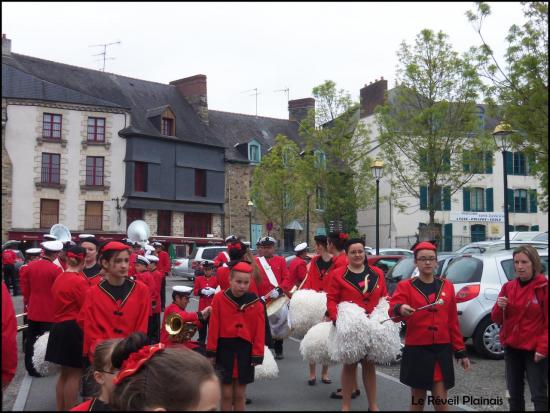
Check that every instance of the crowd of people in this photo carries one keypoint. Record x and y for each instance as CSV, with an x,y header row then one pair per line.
x,y
101,305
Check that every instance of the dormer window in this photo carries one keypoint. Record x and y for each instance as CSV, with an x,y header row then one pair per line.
x,y
167,126
254,152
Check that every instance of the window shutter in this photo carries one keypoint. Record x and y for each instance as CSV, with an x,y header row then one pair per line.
x,y
423,197
510,228
466,161
465,199
533,200
531,161
489,199
448,237
535,228
510,200
488,162
447,198
509,163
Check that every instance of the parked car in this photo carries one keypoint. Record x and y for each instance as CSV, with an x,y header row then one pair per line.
x,y
389,251
190,267
477,280
527,236
483,247
384,262
406,269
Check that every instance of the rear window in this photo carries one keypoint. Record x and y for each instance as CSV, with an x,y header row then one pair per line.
x,y
403,269
211,253
464,270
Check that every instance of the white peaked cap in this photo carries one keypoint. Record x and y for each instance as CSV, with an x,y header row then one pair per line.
x,y
182,289
52,245
301,247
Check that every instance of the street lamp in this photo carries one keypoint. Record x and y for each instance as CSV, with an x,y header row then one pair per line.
x,y
501,135
377,169
250,208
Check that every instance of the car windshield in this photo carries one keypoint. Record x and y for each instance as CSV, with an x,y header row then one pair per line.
x,y
464,270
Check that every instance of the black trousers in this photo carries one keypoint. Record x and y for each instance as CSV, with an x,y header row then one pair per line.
x,y
153,328
521,363
203,332
10,278
163,292
35,330
278,346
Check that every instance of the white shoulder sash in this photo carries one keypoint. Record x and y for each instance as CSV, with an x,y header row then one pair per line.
x,y
268,272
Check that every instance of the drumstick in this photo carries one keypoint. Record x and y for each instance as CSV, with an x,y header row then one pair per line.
x,y
438,302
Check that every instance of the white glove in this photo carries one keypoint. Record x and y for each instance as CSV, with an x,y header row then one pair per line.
x,y
274,294
204,291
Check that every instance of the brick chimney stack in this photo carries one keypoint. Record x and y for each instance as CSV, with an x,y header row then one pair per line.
x,y
372,95
193,89
298,108
6,44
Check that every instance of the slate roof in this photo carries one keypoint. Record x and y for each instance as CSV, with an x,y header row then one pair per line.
x,y
237,128
32,78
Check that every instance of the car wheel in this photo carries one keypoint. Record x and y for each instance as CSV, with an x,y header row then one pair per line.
x,y
487,340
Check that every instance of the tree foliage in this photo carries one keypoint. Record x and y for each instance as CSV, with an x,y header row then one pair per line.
x,y
518,87
430,123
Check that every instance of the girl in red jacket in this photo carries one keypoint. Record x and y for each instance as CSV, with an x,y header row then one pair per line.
x,y
236,337
363,285
522,311
433,334
65,341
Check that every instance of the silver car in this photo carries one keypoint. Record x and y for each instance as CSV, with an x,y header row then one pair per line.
x,y
189,267
484,247
477,280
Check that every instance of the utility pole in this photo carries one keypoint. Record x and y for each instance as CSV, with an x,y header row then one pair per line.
x,y
104,53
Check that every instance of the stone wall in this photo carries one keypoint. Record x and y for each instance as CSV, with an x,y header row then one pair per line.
x,y
7,171
178,220
237,195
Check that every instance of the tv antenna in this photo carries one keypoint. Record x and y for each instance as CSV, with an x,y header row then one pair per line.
x,y
287,90
256,93
104,53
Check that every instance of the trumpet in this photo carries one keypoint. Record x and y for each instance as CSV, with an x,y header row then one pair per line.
x,y
178,330
24,326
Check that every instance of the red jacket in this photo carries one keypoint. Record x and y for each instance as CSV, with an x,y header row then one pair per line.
x,y
434,325
148,279
297,271
158,277
9,337
221,258
316,279
164,262
69,290
203,282
278,266
8,257
24,285
101,317
222,274
188,317
230,320
39,281
132,264
525,322
94,280
342,289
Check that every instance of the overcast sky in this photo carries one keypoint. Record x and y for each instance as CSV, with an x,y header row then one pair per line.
x,y
242,46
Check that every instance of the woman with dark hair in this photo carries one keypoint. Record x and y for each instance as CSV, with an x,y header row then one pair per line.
x,y
363,285
522,311
159,378
65,340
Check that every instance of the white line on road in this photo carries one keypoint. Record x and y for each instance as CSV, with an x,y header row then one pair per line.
x,y
22,394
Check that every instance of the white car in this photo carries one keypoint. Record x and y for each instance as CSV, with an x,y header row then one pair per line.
x,y
188,267
477,280
389,251
527,236
483,247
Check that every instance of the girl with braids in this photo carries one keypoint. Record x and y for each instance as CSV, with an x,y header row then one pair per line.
x,y
103,373
66,338
159,378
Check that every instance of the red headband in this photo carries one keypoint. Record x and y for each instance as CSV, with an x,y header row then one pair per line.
x,y
425,245
343,235
234,246
131,365
77,256
242,267
114,245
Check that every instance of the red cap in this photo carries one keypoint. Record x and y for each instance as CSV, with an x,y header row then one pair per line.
x,y
425,245
242,267
114,245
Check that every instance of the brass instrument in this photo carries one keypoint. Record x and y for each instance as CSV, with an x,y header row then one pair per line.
x,y
178,330
24,326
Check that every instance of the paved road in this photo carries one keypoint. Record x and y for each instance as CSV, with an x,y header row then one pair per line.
x,y
290,390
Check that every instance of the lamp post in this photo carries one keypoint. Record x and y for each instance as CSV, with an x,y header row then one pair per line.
x,y
377,169
504,131
250,208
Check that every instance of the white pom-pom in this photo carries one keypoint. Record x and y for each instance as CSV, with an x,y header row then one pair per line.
x,y
43,367
307,308
268,369
314,345
348,341
384,343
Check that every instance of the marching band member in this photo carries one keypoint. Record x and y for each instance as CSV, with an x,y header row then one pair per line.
x,y
92,269
163,268
316,280
239,251
135,250
159,378
363,285
39,279
61,259
158,277
223,257
31,254
65,340
297,269
432,335
180,300
144,276
274,272
9,338
8,265
205,288
236,336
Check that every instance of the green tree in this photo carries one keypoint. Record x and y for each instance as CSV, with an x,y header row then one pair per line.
x,y
333,132
275,183
429,123
518,87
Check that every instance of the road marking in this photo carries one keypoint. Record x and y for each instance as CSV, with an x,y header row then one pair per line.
x,y
23,393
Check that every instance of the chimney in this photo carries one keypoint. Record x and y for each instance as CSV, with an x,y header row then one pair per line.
x,y
6,44
298,108
372,95
193,89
